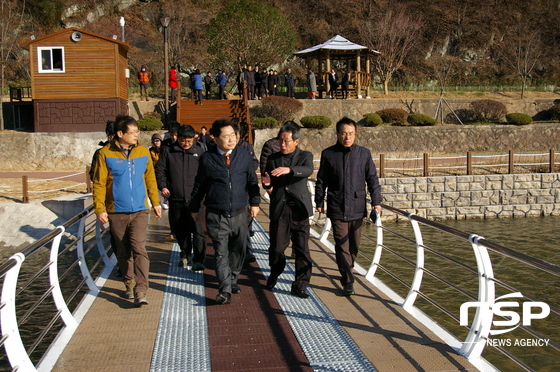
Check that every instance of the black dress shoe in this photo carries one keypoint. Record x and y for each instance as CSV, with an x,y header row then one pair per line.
x,y
223,298
349,289
299,293
271,283
235,289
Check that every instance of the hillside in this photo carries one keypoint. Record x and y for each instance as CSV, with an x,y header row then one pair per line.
x,y
472,38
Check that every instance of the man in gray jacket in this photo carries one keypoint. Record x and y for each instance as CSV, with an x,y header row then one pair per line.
x,y
344,172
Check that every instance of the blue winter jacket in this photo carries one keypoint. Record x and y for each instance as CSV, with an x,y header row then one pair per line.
x,y
197,82
225,189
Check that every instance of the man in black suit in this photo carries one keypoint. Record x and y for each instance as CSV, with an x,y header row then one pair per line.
x,y
285,179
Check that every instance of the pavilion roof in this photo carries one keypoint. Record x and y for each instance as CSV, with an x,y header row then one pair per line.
x,y
337,44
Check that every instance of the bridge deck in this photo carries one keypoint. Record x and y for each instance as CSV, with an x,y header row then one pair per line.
x,y
259,331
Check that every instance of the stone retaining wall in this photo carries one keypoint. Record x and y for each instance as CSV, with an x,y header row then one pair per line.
x,y
463,197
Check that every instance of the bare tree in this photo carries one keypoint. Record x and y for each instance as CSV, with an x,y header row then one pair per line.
x,y
11,16
521,50
394,35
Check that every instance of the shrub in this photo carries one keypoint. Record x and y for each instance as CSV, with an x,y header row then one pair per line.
x,y
316,121
148,123
517,118
264,123
393,115
466,116
156,115
554,112
489,110
421,120
277,107
372,120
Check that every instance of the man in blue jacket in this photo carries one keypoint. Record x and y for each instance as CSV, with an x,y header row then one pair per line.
x,y
344,172
227,182
123,180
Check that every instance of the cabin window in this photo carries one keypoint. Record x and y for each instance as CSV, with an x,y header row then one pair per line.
x,y
51,59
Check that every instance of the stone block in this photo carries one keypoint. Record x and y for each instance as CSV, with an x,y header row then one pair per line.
x,y
405,204
426,204
547,199
406,188
436,212
388,189
421,185
436,187
423,196
395,197
476,186
463,186
526,185
450,184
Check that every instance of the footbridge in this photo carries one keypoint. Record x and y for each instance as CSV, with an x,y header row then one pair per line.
x,y
61,314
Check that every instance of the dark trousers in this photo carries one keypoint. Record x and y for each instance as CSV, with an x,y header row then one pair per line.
x,y
208,89
221,94
250,91
129,231
229,236
198,95
290,91
188,233
347,241
292,223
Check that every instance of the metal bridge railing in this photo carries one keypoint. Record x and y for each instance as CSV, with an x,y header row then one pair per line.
x,y
479,329
62,289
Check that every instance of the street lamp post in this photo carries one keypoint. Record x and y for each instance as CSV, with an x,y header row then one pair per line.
x,y
121,23
164,20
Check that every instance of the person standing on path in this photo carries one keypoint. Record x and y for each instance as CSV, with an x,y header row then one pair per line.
x,y
226,180
124,178
144,80
311,84
290,82
344,172
285,178
173,83
175,173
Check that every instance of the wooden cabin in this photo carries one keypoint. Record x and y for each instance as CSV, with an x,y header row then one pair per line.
x,y
78,80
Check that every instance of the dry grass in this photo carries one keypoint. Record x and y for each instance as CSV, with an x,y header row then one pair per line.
x,y
39,189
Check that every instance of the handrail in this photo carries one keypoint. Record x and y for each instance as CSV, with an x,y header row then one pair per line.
x,y
92,233
479,329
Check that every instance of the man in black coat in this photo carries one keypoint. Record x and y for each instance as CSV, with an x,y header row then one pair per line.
x,y
175,173
344,172
227,181
285,178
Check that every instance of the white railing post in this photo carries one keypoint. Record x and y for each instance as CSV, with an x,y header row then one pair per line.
x,y
480,327
82,263
323,238
419,271
59,302
378,250
15,350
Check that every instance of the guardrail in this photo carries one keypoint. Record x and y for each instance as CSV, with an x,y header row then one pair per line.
x,y
62,288
485,301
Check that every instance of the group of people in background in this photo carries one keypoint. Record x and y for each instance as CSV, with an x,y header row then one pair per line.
x,y
263,83
209,179
260,83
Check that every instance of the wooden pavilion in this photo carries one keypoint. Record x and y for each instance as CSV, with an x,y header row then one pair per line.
x,y
355,57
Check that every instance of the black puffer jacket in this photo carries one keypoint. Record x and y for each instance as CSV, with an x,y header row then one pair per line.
x,y
176,170
343,175
226,189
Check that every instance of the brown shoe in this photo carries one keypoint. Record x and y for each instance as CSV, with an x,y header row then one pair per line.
x,y
141,299
129,293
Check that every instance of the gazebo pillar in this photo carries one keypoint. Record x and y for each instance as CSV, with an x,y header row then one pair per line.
x,y
368,69
328,68
358,75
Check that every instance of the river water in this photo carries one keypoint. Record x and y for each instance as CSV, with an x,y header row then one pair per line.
x,y
538,237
